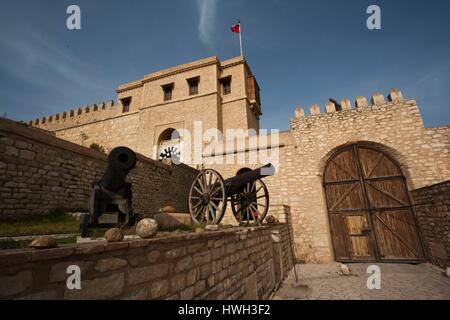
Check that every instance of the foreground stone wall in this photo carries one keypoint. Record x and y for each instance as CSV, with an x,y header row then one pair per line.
x,y
230,264
40,173
432,208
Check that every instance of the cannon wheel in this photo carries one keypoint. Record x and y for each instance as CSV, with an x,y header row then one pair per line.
x,y
207,198
251,204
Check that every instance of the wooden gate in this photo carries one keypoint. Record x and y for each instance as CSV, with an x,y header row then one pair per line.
x,y
369,208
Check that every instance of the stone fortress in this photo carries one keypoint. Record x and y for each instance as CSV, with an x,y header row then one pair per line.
x,y
347,179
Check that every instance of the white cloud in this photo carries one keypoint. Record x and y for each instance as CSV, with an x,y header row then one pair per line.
x,y
207,11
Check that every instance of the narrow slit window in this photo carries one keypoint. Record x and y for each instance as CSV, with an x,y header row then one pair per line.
x,y
168,89
126,102
193,85
226,85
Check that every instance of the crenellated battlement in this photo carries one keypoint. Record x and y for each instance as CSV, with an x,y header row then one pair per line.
x,y
78,116
376,100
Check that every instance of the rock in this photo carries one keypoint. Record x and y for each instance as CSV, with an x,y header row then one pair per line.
x,y
447,272
114,235
345,270
212,227
44,242
166,221
110,264
147,228
167,209
199,230
227,226
272,220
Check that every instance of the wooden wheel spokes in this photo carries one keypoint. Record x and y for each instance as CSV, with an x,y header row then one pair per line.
x,y
251,204
207,198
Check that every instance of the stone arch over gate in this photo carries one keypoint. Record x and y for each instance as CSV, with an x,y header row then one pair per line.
x,y
399,157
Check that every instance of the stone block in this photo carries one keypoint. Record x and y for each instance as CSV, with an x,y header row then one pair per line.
x,y
395,95
330,107
11,151
175,253
184,264
137,295
15,284
159,289
299,113
346,104
199,287
191,276
361,102
187,294
315,109
110,264
153,256
98,289
27,155
177,282
146,274
202,258
377,99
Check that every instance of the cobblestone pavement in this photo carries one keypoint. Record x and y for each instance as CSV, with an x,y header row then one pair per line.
x,y
398,281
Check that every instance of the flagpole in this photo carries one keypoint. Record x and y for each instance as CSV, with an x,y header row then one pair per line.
x,y
240,38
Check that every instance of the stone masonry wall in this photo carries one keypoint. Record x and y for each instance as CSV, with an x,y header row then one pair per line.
x,y
432,208
394,126
40,173
230,264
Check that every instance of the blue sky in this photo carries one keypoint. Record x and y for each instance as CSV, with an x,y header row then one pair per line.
x,y
302,52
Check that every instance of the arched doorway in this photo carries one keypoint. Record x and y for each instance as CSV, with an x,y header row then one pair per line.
x,y
169,145
369,207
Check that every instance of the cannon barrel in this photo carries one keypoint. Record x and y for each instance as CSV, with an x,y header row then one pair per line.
x,y
236,184
121,161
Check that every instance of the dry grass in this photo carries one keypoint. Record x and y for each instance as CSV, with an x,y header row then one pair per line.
x,y
11,244
54,223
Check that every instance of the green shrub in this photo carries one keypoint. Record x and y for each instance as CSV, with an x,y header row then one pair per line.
x,y
97,147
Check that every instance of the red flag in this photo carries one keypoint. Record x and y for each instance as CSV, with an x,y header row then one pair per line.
x,y
236,28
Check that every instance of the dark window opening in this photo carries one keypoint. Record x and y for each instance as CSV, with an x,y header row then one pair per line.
x,y
126,102
168,88
226,85
193,85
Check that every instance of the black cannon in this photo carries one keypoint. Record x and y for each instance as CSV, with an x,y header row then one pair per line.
x,y
112,194
246,192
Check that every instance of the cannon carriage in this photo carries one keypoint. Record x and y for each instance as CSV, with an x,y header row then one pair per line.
x,y
112,194
246,192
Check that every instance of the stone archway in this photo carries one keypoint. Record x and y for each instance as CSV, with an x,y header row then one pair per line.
x,y
369,208
169,145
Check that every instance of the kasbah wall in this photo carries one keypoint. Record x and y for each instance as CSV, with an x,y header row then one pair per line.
x,y
392,124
